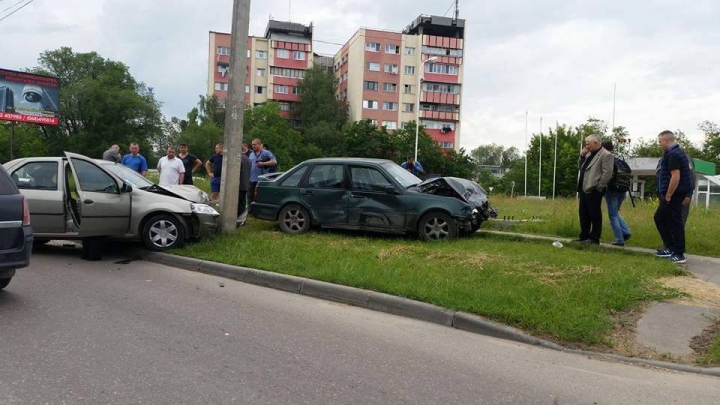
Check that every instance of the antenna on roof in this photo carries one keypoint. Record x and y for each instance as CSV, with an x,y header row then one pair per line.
x,y
457,8
270,17
289,10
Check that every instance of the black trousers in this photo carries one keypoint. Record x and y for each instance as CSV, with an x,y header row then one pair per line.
x,y
242,201
591,215
670,224
251,192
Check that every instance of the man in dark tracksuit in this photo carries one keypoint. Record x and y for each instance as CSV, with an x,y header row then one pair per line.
x,y
675,182
245,169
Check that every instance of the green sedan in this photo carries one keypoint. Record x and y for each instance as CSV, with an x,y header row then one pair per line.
x,y
370,195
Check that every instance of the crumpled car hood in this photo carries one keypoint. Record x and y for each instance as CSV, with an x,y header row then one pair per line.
x,y
187,192
465,190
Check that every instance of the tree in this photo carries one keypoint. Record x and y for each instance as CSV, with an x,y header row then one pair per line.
x,y
364,139
329,140
318,101
711,145
488,155
100,104
29,141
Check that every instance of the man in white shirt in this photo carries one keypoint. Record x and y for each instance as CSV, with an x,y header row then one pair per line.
x,y
171,169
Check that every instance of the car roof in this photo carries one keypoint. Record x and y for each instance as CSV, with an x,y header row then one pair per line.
x,y
348,160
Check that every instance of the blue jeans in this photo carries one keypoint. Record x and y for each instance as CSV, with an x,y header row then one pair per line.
x,y
617,223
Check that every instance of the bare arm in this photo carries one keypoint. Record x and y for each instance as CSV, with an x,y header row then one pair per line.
x,y
674,181
182,177
198,163
208,169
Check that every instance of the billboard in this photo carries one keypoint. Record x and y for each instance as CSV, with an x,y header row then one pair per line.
x,y
25,97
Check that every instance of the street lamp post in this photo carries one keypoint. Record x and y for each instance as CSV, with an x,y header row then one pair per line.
x,y
417,105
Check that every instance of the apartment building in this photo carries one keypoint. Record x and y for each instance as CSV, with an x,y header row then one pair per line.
x,y
381,74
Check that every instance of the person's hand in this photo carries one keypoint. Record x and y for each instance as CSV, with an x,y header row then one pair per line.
x,y
584,151
686,201
212,176
668,197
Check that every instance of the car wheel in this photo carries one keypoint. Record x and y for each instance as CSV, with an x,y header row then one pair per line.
x,y
294,219
437,226
163,232
4,282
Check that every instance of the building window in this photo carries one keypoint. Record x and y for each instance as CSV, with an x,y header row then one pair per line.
x,y
370,104
390,124
371,86
296,90
441,125
221,86
372,47
404,124
455,53
299,55
446,145
247,89
408,89
260,89
441,88
390,106
223,50
261,72
409,70
441,69
284,106
373,66
283,54
409,50
284,72
281,89
391,68
223,70
221,103
390,87
261,54
408,107
374,122
392,49
248,53
451,108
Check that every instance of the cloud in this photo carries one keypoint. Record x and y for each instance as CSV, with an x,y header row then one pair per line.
x,y
556,59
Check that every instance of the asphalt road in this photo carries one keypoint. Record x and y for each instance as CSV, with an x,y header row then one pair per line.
x,y
79,332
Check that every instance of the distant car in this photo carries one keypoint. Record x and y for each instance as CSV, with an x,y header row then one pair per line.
x,y
16,235
370,194
76,197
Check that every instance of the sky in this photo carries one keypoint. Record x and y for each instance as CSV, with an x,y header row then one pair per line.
x,y
559,60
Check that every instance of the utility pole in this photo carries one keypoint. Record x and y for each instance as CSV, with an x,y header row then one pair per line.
x,y
234,116
527,149
540,163
555,163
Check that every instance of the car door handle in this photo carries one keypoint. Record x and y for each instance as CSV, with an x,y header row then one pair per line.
x,y
88,201
307,193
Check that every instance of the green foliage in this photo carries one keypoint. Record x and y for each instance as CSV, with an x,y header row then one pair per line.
x,y
711,146
29,141
100,104
318,101
327,138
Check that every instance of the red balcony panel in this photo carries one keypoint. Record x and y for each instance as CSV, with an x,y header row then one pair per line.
x,y
223,59
438,136
441,78
380,115
285,114
286,81
453,43
284,97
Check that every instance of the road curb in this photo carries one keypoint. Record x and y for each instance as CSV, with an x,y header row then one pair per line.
x,y
394,305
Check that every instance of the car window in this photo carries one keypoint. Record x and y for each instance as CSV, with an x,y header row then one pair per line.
x,y
402,176
37,176
92,179
294,179
368,179
6,184
326,176
127,175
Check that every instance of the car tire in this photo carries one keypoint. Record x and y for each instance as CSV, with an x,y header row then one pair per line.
x,y
437,226
162,232
4,282
294,219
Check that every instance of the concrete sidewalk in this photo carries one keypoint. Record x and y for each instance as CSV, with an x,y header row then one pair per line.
x,y
668,328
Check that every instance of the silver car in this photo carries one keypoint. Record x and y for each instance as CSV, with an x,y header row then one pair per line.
x,y
75,197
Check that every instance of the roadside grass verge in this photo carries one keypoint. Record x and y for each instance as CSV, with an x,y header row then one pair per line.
x,y
566,293
713,356
560,218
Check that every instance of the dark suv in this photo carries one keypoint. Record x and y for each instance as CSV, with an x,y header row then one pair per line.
x,y
16,236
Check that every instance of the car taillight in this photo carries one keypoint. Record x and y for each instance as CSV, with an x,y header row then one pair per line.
x,y
26,213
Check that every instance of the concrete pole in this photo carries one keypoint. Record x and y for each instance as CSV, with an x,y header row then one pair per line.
x,y
234,115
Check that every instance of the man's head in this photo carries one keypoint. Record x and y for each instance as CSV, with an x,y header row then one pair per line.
x,y
134,148
666,139
256,145
183,147
219,149
266,146
608,146
592,142
411,159
245,146
115,148
171,152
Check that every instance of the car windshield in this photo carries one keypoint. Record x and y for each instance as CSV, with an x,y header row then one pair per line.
x,y
402,176
128,176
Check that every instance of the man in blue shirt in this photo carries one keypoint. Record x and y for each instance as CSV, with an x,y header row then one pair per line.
x,y
413,167
271,169
261,161
135,160
675,183
214,170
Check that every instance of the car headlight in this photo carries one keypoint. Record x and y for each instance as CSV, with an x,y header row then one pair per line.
x,y
203,209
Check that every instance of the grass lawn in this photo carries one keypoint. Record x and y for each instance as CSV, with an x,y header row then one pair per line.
x,y
713,356
566,293
560,218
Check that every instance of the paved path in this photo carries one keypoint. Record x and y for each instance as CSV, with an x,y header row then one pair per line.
x,y
74,331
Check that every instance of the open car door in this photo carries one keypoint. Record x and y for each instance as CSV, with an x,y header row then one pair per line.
x,y
103,209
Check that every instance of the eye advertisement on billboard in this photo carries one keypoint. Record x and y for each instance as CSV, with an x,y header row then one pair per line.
x,y
26,97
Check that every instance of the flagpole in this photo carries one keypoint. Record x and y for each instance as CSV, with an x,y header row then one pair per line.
x,y
555,163
526,150
540,164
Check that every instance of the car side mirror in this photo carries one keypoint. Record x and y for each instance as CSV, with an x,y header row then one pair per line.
x,y
391,190
126,188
